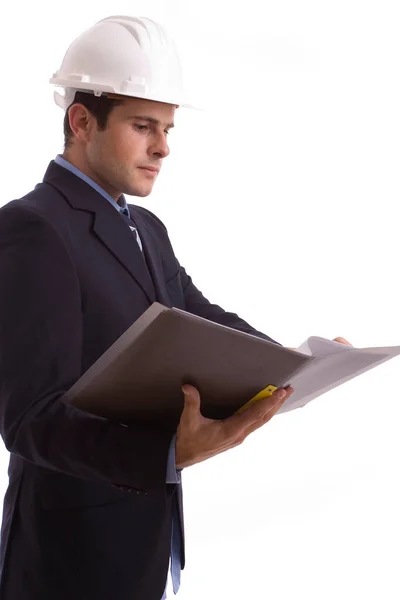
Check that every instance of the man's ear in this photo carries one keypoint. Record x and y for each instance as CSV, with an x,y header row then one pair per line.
x,y
80,121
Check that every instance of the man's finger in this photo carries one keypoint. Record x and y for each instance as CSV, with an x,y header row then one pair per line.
x,y
255,412
191,398
190,390
268,415
342,340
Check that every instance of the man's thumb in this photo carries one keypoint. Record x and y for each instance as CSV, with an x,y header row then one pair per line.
x,y
191,397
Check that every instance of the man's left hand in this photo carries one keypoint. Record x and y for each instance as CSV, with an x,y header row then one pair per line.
x,y
341,340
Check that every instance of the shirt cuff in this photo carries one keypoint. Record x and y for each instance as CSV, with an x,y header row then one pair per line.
x,y
173,474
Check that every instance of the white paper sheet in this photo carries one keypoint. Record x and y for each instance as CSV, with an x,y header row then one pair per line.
x,y
333,364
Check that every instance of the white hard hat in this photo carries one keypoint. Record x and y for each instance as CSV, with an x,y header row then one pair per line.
x,y
131,56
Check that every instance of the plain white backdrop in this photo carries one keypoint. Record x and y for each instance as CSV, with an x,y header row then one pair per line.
x,y
281,200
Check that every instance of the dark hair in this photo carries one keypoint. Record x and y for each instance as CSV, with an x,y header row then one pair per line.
x,y
99,106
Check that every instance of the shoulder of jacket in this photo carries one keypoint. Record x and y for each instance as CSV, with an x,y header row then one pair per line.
x,y
33,201
27,211
22,207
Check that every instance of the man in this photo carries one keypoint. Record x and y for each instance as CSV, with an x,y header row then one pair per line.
x,y
93,510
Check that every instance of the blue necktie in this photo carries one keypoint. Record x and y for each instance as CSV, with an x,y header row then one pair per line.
x,y
175,538
124,212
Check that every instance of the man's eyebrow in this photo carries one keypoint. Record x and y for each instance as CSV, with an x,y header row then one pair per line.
x,y
151,120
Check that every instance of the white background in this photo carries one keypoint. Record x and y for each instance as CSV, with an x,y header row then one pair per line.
x,y
281,200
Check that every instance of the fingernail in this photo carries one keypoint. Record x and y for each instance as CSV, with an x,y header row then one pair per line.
x,y
185,390
281,394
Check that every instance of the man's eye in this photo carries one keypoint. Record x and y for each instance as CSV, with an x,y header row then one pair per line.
x,y
141,128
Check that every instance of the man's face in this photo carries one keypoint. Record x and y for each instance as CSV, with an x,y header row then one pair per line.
x,y
127,156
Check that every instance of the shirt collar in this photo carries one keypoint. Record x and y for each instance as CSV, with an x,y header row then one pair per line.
x,y
121,204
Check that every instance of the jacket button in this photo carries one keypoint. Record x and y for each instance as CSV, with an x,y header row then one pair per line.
x,y
123,488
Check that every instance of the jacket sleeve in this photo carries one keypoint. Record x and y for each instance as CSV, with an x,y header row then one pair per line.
x,y
197,304
40,358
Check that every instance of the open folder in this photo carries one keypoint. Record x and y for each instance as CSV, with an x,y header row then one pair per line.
x,y
141,375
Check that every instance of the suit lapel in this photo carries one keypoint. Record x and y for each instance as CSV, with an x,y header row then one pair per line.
x,y
119,239
152,256
108,226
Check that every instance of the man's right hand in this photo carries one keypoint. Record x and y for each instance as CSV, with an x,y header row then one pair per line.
x,y
199,438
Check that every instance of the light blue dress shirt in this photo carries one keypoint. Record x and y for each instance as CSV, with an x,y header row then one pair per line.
x,y
173,475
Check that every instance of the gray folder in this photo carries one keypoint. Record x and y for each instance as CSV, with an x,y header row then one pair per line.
x,y
141,375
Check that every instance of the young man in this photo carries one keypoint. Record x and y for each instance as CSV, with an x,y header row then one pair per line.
x,y
93,510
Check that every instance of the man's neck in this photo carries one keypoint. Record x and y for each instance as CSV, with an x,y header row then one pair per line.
x,y
81,164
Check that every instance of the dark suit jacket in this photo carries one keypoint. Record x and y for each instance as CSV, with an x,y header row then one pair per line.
x,y
87,514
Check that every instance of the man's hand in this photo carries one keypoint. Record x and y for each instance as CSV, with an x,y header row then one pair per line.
x,y
199,438
337,339
342,341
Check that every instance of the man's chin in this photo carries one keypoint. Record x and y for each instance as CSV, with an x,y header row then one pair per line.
x,y
139,191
